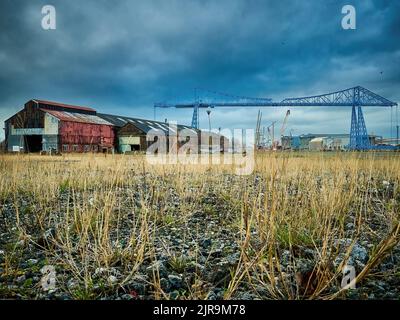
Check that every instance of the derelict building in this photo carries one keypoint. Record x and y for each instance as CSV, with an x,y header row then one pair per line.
x,y
56,127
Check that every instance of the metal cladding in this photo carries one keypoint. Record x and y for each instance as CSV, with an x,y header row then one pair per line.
x,y
81,132
77,117
84,134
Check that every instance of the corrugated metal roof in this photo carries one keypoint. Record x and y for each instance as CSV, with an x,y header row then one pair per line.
x,y
141,124
63,105
77,117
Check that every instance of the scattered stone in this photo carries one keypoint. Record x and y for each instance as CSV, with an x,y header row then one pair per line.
x,y
350,226
157,266
217,253
165,285
100,271
247,296
221,275
62,296
112,279
385,183
358,255
233,259
211,296
175,281
72,284
195,267
21,243
174,295
32,261
127,296
139,288
45,239
285,257
206,243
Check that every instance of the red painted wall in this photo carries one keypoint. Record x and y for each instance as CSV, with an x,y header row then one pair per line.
x,y
81,134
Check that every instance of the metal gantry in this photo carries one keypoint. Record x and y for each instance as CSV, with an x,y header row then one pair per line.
x,y
355,97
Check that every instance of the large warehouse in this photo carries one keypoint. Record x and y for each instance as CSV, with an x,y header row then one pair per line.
x,y
57,127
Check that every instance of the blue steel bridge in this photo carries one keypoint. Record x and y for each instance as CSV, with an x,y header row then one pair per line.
x,y
356,98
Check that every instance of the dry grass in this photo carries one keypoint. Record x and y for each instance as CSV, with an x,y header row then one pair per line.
x,y
108,212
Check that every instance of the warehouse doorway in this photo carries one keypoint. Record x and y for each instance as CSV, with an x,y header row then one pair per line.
x,y
135,147
33,143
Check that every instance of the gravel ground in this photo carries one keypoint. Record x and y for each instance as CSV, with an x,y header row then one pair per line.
x,y
193,256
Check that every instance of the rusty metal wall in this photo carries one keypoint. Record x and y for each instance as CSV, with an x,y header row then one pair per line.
x,y
81,134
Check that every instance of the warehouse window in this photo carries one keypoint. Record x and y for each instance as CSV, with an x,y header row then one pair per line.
x,y
75,147
65,148
87,148
95,148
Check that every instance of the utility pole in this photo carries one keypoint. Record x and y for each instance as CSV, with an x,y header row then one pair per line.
x,y
209,129
258,133
273,135
397,125
209,119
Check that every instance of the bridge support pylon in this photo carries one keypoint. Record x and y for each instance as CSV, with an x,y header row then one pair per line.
x,y
359,139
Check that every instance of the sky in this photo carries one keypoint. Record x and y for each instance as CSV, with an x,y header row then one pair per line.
x,y
121,57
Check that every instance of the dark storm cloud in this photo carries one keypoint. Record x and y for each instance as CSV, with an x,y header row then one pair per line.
x,y
122,56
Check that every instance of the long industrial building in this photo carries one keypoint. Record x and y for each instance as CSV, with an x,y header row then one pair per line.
x,y
45,126
320,142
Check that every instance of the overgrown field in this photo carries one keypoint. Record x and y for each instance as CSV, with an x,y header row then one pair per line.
x,y
116,227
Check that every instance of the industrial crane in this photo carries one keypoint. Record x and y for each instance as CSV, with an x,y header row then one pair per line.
x,y
355,97
284,123
271,133
258,129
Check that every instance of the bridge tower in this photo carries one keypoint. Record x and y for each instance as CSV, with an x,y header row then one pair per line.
x,y
359,139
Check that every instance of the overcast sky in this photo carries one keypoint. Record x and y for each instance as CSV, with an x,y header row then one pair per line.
x,y
122,56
